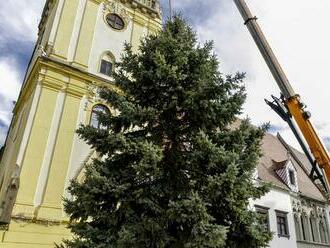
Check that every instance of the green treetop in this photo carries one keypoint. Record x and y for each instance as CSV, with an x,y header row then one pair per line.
x,y
172,170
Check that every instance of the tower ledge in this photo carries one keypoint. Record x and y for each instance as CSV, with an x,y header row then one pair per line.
x,y
151,7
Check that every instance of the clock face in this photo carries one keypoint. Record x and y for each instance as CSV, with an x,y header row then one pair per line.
x,y
115,21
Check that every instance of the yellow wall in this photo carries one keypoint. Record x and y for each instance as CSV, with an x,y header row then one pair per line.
x,y
36,147
86,35
40,226
65,28
13,142
62,154
54,80
25,234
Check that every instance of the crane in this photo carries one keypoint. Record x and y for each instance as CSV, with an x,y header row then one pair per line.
x,y
290,106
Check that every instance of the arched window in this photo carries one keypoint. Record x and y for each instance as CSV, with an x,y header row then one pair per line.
x,y
323,232
314,233
297,227
107,64
326,228
304,227
96,111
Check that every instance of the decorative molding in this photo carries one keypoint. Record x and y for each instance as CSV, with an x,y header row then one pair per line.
x,y
29,124
11,194
76,30
49,150
94,92
77,147
308,208
71,71
56,23
296,206
115,7
4,227
41,51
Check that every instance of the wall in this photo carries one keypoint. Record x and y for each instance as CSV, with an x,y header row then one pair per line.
x,y
47,149
106,39
24,234
303,244
280,200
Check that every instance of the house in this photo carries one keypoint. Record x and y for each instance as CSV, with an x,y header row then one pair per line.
x,y
79,42
295,210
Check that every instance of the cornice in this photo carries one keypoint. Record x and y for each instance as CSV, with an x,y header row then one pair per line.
x,y
73,72
45,13
153,13
46,222
67,73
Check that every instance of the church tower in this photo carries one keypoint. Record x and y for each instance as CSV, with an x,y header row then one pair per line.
x,y
78,45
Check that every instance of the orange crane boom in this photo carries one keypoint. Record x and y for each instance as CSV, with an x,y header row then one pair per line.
x,y
294,108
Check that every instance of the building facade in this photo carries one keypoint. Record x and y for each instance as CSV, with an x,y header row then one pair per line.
x,y
78,45
295,210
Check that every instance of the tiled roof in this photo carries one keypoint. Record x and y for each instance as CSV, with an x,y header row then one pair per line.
x,y
275,149
279,165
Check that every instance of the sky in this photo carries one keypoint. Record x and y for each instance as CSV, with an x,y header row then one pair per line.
x,y
297,31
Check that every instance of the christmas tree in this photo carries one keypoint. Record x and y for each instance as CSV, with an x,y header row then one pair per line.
x,y
174,169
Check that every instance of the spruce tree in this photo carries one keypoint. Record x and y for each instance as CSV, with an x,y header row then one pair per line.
x,y
173,170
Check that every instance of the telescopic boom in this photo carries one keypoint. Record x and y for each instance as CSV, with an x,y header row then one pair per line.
x,y
291,101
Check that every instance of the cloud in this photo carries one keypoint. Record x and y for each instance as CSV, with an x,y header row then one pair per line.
x,y
301,45
9,79
10,83
2,138
19,20
327,142
18,29
297,31
274,129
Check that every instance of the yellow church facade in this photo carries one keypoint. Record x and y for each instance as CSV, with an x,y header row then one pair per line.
x,y
78,45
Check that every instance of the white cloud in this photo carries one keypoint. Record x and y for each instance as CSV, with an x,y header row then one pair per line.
x,y
299,35
18,24
19,20
297,30
9,89
9,79
2,137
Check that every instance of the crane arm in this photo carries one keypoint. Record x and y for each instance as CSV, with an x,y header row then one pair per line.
x,y
309,132
290,99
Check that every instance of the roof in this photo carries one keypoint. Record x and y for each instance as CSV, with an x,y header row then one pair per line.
x,y
275,154
279,165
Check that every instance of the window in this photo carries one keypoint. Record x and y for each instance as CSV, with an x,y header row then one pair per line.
x,y
304,227
312,221
282,224
106,67
97,110
297,227
115,21
292,177
264,219
107,63
323,232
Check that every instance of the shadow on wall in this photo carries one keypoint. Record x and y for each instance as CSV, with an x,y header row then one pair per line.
x,y
1,152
